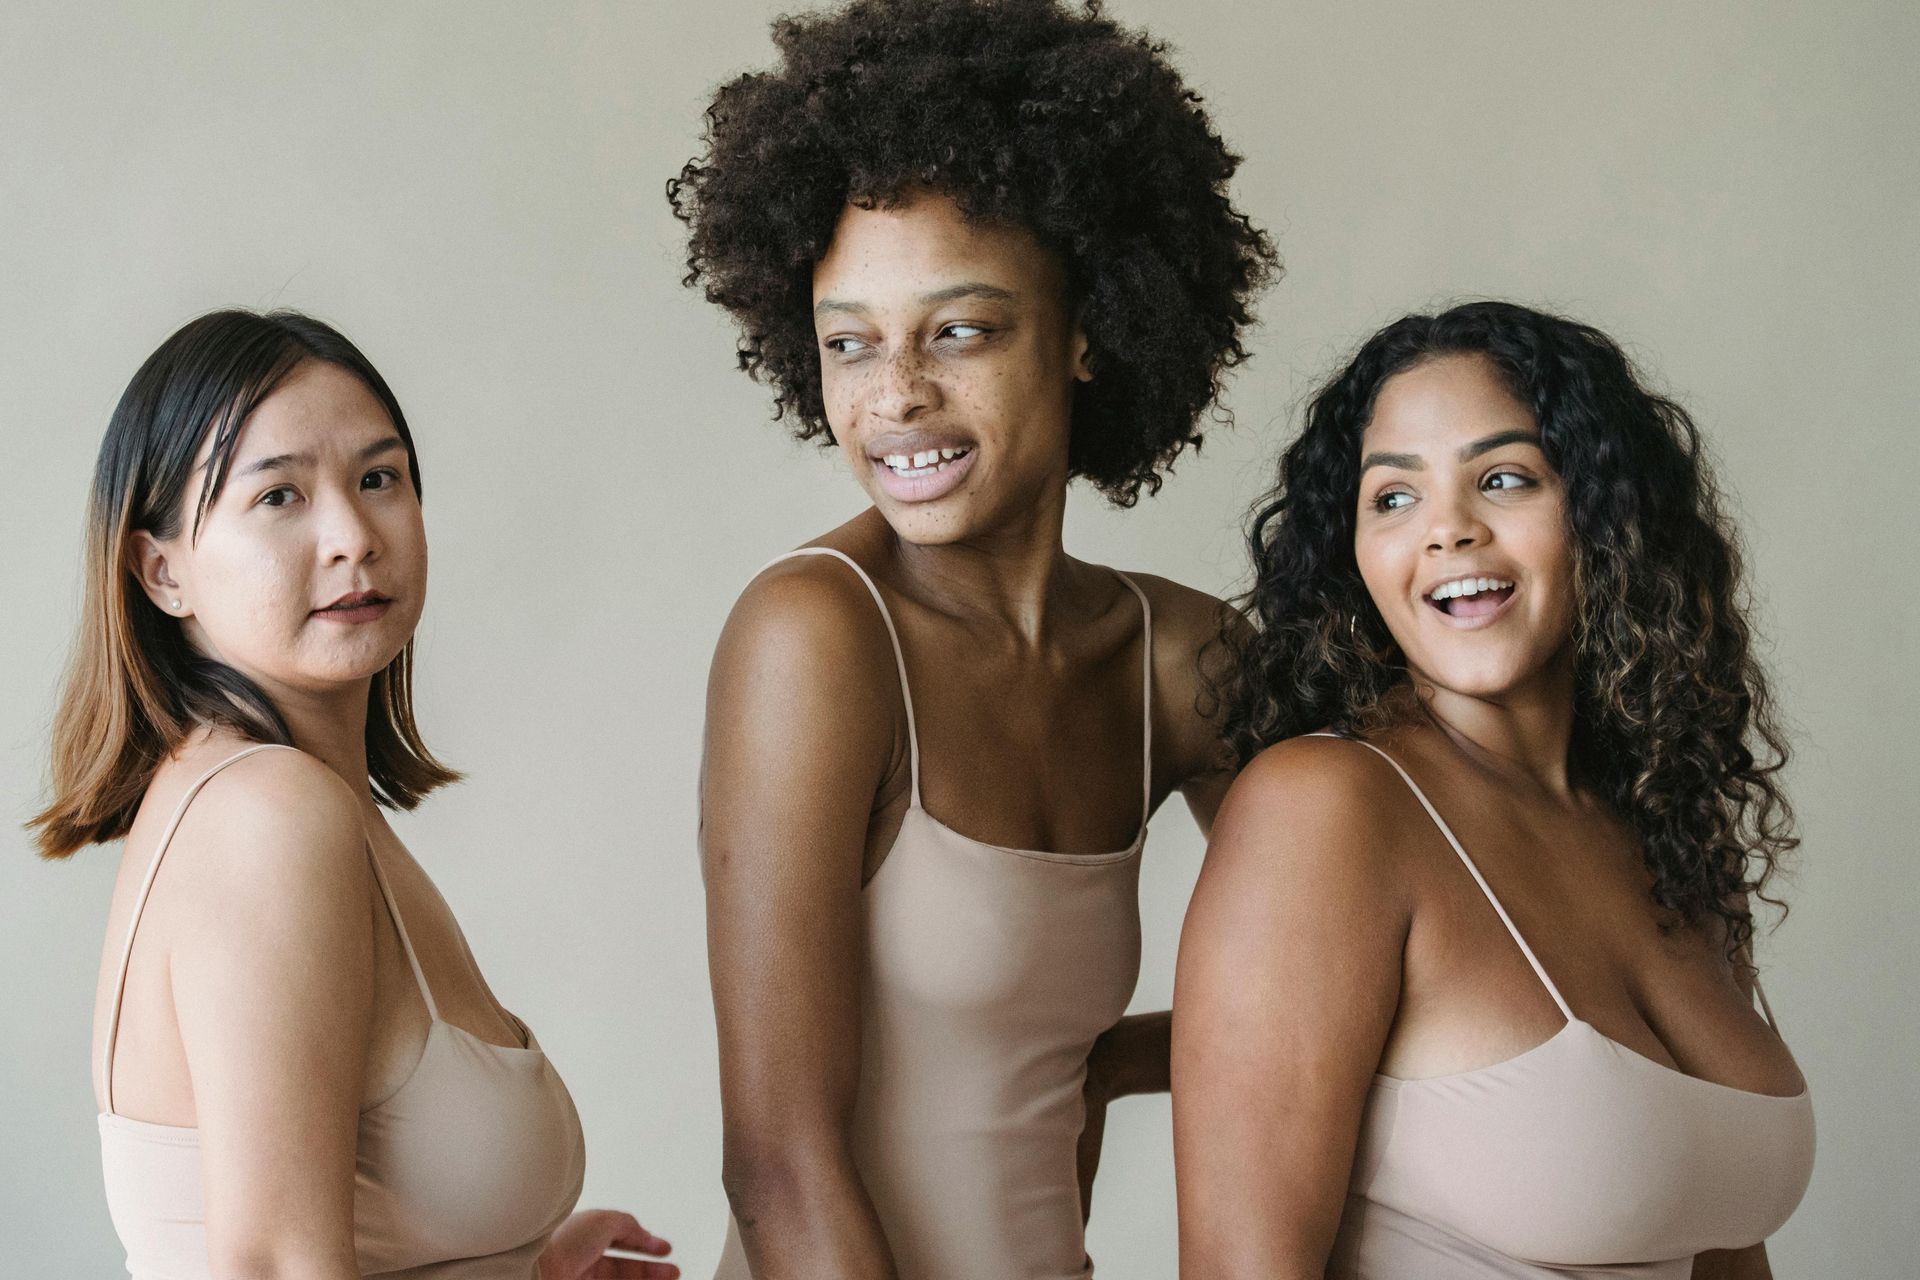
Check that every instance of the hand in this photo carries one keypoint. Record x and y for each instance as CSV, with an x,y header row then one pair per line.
x,y
579,1247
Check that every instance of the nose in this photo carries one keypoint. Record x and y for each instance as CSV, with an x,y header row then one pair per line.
x,y
347,534
1454,526
902,389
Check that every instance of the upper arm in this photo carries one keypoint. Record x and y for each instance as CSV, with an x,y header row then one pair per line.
x,y
800,734
271,970
1288,980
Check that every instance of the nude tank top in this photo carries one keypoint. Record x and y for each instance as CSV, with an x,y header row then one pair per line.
x,y
988,974
1577,1157
462,1172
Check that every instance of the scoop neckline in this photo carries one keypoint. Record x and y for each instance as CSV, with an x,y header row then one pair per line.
x,y
1038,855
1399,1082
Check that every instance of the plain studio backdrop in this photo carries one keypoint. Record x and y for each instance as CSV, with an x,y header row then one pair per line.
x,y
474,193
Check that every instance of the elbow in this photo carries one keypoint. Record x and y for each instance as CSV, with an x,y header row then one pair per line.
x,y
772,1176
257,1251
276,1260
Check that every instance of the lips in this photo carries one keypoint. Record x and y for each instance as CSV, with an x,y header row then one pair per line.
x,y
920,466
1471,600
357,606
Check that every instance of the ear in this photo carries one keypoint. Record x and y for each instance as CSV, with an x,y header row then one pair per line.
x,y
149,564
1082,366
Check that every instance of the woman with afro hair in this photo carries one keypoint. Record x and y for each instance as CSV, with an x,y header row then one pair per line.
x,y
981,248
1466,988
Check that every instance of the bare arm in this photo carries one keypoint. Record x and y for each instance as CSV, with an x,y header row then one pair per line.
x,y
272,976
1288,980
800,736
1733,1264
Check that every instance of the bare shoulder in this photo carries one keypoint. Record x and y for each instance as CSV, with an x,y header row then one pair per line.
x,y
804,670
1314,807
807,607
1185,619
275,824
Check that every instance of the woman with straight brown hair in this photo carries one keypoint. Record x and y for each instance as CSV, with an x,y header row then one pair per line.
x,y
300,1071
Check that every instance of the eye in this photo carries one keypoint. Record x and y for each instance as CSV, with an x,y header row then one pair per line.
x,y
962,331
1507,480
379,478
844,346
1392,500
278,496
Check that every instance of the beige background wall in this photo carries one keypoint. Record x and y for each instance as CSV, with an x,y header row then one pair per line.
x,y
474,193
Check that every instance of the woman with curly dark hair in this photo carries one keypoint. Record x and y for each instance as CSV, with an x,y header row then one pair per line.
x,y
1496,581
983,248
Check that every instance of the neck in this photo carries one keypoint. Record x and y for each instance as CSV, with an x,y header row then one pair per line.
x,y
1011,572
331,725
1526,732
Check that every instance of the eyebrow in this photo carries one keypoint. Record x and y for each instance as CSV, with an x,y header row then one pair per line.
x,y
1467,453
952,293
286,461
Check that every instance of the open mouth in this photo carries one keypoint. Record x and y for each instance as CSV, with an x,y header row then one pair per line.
x,y
927,462
923,470
1471,597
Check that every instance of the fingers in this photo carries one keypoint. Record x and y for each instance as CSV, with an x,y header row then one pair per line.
x,y
636,1238
617,1268
622,1233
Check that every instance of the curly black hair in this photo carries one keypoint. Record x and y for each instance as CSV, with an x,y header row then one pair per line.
x,y
1671,705
1023,112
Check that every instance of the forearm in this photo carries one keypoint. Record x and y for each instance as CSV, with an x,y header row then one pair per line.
x,y
1131,1056
1735,1264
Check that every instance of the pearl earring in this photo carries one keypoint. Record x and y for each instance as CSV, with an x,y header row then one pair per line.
x,y
174,604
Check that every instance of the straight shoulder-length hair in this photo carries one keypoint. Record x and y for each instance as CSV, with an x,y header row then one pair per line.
x,y
135,687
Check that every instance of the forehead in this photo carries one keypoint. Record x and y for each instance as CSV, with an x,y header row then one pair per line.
x,y
888,255
1445,401
317,406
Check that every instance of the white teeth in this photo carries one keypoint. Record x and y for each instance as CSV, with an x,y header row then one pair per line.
x,y
1468,587
923,462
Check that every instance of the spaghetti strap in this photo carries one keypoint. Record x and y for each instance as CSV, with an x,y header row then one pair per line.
x,y
1538,969
140,906
1146,698
406,939
893,634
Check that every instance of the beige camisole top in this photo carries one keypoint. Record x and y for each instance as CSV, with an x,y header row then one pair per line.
x,y
1578,1157
988,974
463,1171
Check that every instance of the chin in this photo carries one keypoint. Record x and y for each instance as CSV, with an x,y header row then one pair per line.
x,y
928,524
1482,682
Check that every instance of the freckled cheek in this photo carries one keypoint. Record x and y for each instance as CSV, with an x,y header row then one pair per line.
x,y
842,395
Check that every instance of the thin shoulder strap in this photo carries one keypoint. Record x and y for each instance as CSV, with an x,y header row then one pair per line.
x,y
140,906
1146,698
400,927
1474,871
899,657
